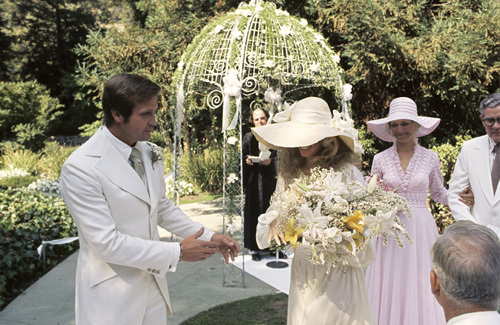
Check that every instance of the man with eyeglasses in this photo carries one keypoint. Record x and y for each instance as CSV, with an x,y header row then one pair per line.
x,y
478,166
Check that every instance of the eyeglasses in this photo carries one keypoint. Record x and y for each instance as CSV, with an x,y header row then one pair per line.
x,y
490,121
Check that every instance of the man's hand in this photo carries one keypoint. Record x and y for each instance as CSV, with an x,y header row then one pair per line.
x,y
466,196
194,249
227,246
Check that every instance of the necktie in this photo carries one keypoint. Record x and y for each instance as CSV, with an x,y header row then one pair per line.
x,y
495,171
135,158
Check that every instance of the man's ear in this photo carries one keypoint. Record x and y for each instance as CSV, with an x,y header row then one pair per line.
x,y
117,116
435,286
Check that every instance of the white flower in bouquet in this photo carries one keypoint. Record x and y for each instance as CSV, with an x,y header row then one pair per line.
x,y
303,22
335,218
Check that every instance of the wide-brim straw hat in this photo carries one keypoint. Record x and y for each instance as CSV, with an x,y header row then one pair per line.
x,y
305,123
402,108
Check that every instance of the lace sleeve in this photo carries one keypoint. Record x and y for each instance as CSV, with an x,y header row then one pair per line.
x,y
265,219
436,181
376,167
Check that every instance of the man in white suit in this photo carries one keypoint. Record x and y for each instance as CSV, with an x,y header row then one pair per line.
x,y
474,168
122,264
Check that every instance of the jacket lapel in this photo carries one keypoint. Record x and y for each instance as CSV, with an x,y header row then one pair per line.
x,y
481,161
151,175
116,169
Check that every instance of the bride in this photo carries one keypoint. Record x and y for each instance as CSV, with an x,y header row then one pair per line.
x,y
306,136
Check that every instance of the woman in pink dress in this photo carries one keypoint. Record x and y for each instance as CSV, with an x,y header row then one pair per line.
x,y
398,281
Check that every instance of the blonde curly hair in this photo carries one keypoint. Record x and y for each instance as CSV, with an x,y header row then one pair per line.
x,y
333,153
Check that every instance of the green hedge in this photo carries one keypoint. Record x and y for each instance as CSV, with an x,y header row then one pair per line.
x,y
27,218
448,154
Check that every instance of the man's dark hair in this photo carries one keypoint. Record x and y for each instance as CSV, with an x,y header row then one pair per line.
x,y
123,92
265,111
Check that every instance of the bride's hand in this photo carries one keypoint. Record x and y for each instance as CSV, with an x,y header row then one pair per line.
x,y
273,234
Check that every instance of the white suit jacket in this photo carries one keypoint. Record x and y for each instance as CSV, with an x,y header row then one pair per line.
x,y
473,168
117,219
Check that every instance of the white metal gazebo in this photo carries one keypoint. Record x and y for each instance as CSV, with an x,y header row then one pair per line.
x,y
257,55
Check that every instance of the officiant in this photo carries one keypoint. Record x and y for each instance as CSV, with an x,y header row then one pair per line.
x,y
259,181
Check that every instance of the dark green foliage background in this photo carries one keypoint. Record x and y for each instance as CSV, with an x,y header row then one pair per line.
x,y
26,219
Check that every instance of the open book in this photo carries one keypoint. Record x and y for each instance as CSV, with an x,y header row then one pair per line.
x,y
263,156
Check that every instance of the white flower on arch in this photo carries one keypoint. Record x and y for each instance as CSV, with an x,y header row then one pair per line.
x,y
315,67
232,178
232,140
218,29
286,30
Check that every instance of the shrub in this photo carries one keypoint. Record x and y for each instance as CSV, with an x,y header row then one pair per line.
x,y
448,154
46,186
52,158
205,170
14,157
28,112
26,219
12,172
17,181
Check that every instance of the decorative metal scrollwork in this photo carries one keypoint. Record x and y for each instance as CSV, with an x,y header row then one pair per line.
x,y
214,99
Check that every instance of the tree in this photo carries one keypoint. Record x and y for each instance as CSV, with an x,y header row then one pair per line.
x,y
153,51
443,55
27,112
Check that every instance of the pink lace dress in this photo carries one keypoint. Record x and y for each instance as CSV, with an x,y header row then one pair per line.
x,y
398,281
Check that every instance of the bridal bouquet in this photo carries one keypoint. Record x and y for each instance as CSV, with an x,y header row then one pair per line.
x,y
335,219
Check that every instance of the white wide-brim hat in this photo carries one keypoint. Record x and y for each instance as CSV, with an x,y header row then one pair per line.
x,y
305,123
402,108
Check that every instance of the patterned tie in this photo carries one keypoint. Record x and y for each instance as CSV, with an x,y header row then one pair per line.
x,y
495,171
135,158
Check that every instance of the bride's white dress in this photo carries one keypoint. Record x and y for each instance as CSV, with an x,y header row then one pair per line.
x,y
316,295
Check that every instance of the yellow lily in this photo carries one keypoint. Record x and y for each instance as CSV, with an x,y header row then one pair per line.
x,y
355,221
291,234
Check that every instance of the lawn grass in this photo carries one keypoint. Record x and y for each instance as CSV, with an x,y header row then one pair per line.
x,y
267,309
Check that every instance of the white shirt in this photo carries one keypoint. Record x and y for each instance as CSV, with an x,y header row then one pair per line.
x,y
124,149
476,318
